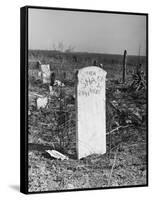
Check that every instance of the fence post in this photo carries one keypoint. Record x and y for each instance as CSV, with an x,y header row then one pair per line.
x,y
124,66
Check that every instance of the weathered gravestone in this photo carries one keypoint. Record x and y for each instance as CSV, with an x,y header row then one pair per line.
x,y
91,122
45,70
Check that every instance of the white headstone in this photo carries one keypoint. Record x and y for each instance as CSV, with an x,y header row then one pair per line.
x,y
91,116
41,102
45,69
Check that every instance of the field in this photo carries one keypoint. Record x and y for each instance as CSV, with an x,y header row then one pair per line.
x,y
53,127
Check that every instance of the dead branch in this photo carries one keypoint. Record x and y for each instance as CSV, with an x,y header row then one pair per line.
x,y
116,129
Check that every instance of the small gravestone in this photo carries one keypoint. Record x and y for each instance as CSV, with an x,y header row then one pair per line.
x,y
45,69
91,117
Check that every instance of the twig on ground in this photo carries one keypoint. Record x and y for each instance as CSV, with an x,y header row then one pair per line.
x,y
116,129
114,162
128,145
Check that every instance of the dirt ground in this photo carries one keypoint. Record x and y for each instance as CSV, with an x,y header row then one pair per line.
x,y
124,164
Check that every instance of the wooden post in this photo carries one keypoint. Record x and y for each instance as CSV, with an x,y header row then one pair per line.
x,y
138,69
124,66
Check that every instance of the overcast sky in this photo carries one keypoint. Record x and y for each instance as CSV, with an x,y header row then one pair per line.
x,y
88,32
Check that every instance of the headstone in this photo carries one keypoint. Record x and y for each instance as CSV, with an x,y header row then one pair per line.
x,y
91,117
45,69
41,102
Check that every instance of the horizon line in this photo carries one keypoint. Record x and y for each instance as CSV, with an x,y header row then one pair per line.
x,y
85,52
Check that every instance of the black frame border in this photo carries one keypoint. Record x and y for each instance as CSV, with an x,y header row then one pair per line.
x,y
24,95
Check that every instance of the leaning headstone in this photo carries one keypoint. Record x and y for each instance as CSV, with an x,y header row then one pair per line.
x,y
91,117
45,69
